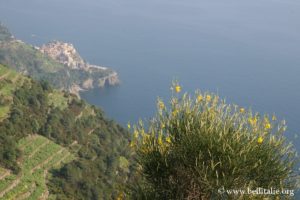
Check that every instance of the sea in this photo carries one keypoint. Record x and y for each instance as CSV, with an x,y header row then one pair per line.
x,y
248,52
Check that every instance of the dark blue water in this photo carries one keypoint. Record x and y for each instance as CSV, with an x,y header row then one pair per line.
x,y
246,51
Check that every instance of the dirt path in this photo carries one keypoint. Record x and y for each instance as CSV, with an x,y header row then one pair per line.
x,y
46,161
79,116
38,148
73,143
25,195
4,75
5,174
32,138
45,194
11,186
62,159
15,78
91,131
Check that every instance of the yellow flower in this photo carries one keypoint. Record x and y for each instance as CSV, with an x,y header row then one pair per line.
x,y
268,125
131,144
274,118
242,110
128,125
161,105
168,139
199,98
136,134
177,88
159,141
260,140
146,138
120,196
174,113
162,125
208,98
253,121
145,150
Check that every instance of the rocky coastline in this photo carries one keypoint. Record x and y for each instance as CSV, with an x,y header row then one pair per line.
x,y
66,54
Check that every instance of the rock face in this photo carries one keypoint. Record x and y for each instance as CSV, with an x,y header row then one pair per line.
x,y
65,53
110,80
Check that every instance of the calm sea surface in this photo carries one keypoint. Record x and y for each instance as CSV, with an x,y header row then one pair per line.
x,y
246,51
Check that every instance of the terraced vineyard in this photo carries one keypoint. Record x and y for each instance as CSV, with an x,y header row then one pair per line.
x,y
39,155
28,107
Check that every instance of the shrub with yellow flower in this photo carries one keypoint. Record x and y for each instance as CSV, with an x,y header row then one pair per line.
x,y
210,145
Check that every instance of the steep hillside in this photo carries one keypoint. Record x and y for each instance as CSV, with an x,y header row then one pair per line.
x,y
100,146
9,82
53,62
39,155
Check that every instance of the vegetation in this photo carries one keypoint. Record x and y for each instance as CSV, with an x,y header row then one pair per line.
x,y
28,60
54,145
200,144
9,81
39,155
100,146
57,100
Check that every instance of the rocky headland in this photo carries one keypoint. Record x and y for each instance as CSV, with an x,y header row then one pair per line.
x,y
58,63
66,54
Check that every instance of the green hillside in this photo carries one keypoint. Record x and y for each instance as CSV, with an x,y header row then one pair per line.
x,y
28,60
39,155
9,81
39,126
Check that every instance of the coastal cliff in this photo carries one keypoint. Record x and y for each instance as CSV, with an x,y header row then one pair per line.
x,y
66,54
57,62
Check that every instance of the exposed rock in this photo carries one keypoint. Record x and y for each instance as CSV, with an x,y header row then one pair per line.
x,y
111,79
87,84
75,89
